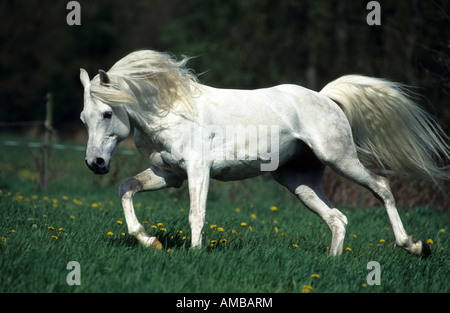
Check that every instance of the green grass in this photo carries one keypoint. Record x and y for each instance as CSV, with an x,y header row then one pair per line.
x,y
80,219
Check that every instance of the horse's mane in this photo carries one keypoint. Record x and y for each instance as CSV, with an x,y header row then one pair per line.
x,y
148,78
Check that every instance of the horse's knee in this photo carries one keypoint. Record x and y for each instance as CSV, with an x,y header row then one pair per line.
x,y
129,187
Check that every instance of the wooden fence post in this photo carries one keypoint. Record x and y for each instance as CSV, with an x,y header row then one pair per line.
x,y
46,149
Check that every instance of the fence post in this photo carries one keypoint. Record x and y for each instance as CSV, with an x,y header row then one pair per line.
x,y
48,129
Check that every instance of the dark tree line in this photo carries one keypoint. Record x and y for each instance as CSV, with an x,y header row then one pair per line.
x,y
236,44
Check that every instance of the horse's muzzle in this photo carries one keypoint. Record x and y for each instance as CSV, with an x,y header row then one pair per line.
x,y
99,166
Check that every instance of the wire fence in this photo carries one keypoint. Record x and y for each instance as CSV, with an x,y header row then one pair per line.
x,y
48,125
31,144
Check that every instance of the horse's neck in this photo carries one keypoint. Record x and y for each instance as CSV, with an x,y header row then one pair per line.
x,y
151,125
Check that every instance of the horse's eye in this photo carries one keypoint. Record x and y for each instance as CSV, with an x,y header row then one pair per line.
x,y
107,115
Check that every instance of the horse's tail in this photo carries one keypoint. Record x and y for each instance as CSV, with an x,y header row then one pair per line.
x,y
390,128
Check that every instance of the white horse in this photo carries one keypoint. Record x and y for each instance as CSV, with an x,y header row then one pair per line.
x,y
187,130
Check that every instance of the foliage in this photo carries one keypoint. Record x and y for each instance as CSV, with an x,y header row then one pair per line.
x,y
238,44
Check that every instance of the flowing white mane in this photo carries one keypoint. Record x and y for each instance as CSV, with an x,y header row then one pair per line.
x,y
148,78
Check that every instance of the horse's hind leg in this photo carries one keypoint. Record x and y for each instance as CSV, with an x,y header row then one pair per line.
x,y
304,180
350,167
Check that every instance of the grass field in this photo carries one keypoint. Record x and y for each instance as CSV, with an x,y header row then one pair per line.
x,y
257,237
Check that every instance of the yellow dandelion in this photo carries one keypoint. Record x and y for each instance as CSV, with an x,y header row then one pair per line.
x,y
65,198
223,240
364,285
45,198
34,197
180,232
243,224
60,229
77,202
119,222
219,228
18,197
72,217
4,239
253,215
387,229
31,218
315,275
442,230
123,234
95,205
306,289
44,215
169,250
382,240
295,245
12,231
273,208
110,233
250,228
213,226
55,237
430,241
354,236
154,226
51,227
159,224
275,229
163,229
233,231
348,249
237,210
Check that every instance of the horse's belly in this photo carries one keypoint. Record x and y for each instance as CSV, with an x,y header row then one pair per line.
x,y
235,170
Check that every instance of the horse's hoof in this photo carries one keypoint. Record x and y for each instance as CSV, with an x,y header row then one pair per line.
x,y
156,244
426,251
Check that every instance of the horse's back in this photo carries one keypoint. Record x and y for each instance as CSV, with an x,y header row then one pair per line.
x,y
286,104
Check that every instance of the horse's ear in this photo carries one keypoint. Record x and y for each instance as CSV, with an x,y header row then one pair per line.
x,y
84,77
104,78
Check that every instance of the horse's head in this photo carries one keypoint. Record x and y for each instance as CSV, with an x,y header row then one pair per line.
x,y
106,125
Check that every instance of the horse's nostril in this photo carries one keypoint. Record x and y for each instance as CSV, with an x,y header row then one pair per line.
x,y
100,162
98,166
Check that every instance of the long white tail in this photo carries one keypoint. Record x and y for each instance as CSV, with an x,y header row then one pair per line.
x,y
390,128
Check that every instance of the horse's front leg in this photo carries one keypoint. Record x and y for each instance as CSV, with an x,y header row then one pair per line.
x,y
148,180
198,178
